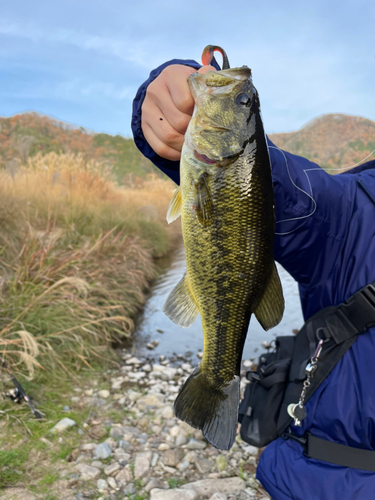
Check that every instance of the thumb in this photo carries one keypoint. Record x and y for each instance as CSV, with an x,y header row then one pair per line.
x,y
205,69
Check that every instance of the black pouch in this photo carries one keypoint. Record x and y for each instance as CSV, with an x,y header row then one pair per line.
x,y
259,410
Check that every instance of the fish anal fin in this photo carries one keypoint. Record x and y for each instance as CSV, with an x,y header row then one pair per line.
x,y
174,208
203,201
213,410
271,307
180,305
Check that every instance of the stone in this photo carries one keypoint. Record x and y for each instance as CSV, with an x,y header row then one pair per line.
x,y
153,483
193,444
112,443
97,464
142,463
166,412
111,469
103,451
163,447
129,489
150,400
124,476
183,465
219,496
154,460
64,424
186,367
101,484
116,432
203,465
112,482
221,462
87,472
158,368
181,440
147,368
169,373
251,450
170,457
211,486
174,494
104,393
133,361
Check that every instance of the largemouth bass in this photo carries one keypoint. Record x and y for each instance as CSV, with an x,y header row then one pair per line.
x,y
226,203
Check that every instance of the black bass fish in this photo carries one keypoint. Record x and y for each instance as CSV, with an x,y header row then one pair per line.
x,y
226,203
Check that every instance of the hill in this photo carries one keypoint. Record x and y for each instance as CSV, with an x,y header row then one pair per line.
x,y
331,141
24,135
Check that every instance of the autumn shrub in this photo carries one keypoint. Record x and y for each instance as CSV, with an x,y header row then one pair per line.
x,y
77,254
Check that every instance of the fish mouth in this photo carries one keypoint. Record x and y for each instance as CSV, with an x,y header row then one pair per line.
x,y
203,158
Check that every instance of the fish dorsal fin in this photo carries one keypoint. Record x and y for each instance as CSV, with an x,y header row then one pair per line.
x,y
180,305
271,308
174,208
203,201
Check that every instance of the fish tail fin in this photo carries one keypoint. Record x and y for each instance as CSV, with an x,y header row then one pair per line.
x,y
213,410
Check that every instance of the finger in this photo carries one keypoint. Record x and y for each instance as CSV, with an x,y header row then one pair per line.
x,y
181,96
160,147
154,117
203,70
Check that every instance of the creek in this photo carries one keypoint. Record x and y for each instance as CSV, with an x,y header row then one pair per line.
x,y
153,324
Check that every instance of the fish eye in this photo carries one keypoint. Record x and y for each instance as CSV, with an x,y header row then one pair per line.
x,y
244,100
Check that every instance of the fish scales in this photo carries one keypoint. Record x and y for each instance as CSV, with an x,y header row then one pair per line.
x,y
226,205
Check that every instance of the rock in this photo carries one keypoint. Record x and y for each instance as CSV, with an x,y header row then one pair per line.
x,y
129,489
97,464
153,483
150,400
221,462
183,465
104,393
168,373
111,469
150,346
219,496
103,451
88,446
142,463
163,447
158,368
124,476
101,484
181,440
193,444
133,361
166,412
211,486
246,363
87,472
112,443
203,465
147,368
112,482
251,450
175,494
186,367
154,460
64,424
170,457
116,432
191,456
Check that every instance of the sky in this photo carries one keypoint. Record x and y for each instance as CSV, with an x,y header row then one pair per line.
x,y
82,61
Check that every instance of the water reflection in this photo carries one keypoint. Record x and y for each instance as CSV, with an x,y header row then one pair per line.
x,y
177,340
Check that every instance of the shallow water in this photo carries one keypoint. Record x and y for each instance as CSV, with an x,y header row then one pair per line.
x,y
176,340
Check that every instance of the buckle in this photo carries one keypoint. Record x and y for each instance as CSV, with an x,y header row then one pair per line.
x,y
302,440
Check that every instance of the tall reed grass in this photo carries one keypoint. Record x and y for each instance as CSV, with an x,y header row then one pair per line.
x,y
77,254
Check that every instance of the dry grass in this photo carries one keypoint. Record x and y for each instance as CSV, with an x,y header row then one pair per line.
x,y
76,257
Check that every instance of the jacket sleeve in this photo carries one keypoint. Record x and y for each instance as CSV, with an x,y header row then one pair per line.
x,y
170,168
313,212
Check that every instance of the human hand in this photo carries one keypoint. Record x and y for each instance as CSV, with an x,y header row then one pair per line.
x,y
167,109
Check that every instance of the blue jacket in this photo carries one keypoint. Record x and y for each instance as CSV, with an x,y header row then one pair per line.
x,y
325,238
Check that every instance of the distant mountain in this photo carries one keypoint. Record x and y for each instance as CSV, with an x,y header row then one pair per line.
x,y
26,134
331,141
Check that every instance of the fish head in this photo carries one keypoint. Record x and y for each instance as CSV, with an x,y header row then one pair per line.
x,y
221,123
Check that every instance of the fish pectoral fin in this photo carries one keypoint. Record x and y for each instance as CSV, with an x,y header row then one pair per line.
x,y
174,208
203,202
180,305
214,410
271,308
